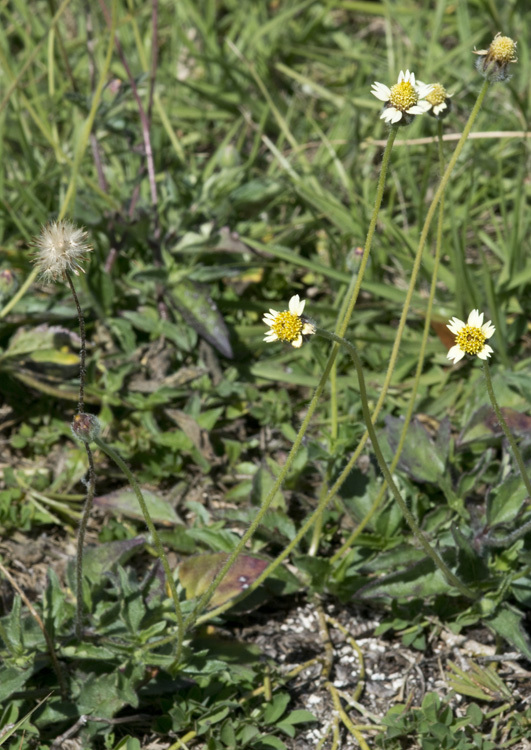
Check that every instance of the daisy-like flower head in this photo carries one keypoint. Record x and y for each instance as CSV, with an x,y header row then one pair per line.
x,y
439,101
291,325
470,337
61,247
493,62
403,100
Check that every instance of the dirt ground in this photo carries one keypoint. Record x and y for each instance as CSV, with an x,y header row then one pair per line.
x,y
377,671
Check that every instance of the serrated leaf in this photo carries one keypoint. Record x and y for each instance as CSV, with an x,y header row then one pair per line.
x,y
201,313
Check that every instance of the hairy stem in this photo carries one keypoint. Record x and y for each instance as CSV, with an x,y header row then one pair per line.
x,y
450,577
505,428
87,507
82,348
114,456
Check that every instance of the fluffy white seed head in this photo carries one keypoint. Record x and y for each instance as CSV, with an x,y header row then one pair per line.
x,y
61,247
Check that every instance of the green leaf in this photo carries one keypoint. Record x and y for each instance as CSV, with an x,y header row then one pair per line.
x,y
102,558
125,502
263,482
55,357
470,566
201,313
482,683
420,580
255,191
299,716
100,695
12,680
128,743
44,338
213,717
421,458
507,622
505,501
275,709
270,740
197,573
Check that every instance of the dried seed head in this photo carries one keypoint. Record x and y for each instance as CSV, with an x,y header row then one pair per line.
x,y
61,247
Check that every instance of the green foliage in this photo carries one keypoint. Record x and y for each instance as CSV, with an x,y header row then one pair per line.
x,y
266,148
434,725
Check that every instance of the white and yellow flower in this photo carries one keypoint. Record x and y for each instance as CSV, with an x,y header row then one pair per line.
x,y
403,100
439,100
290,325
470,337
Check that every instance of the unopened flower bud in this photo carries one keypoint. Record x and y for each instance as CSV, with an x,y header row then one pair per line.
x,y
86,427
494,61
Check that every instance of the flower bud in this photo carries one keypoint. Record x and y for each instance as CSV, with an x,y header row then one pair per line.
x,y
86,427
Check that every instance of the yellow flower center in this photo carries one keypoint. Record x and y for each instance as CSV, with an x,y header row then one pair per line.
x,y
403,96
502,49
287,326
437,95
471,339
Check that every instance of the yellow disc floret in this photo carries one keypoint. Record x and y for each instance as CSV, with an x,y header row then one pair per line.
x,y
503,49
493,62
471,339
437,94
403,96
288,327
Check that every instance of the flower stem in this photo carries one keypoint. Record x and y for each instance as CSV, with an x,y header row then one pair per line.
x,y
505,428
192,617
343,319
439,562
156,539
82,348
351,295
91,488
407,302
